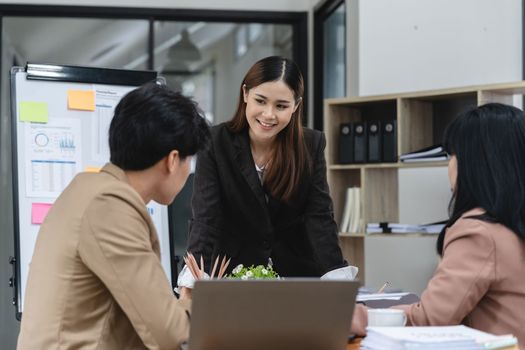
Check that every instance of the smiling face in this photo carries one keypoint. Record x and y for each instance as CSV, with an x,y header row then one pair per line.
x,y
269,109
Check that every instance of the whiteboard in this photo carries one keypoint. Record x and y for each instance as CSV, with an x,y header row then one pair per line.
x,y
47,155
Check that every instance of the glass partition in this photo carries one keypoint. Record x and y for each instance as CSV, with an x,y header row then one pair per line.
x,y
76,41
334,77
208,60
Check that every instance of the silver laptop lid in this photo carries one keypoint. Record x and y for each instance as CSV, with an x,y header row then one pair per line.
x,y
271,314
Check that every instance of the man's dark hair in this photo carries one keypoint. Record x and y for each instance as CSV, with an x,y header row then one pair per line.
x,y
150,122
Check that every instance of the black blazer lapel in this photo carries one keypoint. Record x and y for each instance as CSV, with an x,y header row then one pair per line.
x,y
244,159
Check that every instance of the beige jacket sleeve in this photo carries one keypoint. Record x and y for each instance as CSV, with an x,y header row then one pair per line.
x,y
116,245
461,279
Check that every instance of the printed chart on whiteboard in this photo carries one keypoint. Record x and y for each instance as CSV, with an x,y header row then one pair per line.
x,y
53,157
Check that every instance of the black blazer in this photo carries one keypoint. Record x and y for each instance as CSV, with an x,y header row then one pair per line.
x,y
231,215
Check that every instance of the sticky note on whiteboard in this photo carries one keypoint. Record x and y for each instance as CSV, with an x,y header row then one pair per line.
x,y
92,169
39,212
36,112
83,100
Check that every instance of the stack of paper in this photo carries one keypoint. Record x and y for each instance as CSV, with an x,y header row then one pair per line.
x,y
380,296
429,154
434,228
385,300
404,228
375,227
408,228
434,338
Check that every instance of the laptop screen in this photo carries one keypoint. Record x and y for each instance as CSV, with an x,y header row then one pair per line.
x,y
271,314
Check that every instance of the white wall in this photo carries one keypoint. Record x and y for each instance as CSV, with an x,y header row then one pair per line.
x,y
411,45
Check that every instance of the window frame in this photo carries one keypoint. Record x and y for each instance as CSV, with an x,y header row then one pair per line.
x,y
321,14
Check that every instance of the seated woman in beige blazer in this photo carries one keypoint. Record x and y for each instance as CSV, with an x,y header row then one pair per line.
x,y
480,280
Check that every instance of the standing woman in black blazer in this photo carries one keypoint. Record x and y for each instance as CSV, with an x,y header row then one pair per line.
x,y
260,189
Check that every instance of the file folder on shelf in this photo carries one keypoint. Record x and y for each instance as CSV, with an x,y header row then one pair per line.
x,y
389,141
432,153
346,143
424,152
360,142
374,142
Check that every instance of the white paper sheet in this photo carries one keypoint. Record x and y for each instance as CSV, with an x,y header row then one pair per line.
x,y
381,296
106,99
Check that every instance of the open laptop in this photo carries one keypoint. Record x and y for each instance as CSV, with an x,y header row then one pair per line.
x,y
287,314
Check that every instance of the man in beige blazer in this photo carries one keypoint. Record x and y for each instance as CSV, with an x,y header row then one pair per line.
x,y
96,280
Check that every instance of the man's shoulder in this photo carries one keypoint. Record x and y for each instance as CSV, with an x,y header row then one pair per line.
x,y
91,188
102,183
119,190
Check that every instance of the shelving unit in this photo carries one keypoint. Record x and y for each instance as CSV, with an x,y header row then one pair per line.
x,y
421,120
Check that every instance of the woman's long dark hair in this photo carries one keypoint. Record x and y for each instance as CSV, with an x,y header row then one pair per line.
x,y
289,158
489,144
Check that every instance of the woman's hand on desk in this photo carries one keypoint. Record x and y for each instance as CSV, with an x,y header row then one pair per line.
x,y
359,320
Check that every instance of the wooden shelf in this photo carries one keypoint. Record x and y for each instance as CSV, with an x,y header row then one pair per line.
x,y
504,89
399,165
421,120
352,235
397,235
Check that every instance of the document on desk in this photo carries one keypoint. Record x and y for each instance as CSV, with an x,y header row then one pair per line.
x,y
381,296
383,300
434,338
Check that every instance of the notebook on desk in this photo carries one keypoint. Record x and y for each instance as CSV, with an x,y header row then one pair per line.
x,y
386,300
271,314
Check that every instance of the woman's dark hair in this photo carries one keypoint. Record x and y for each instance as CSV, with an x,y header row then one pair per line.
x,y
150,122
289,158
489,144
